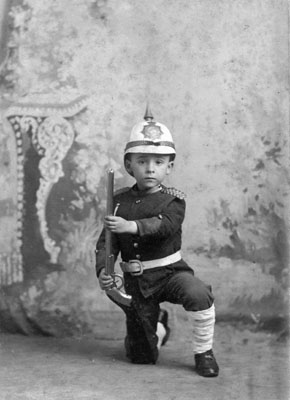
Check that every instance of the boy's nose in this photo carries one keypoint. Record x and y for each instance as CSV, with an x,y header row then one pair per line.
x,y
150,167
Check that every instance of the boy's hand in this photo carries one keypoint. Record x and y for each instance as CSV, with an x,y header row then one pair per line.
x,y
105,281
120,225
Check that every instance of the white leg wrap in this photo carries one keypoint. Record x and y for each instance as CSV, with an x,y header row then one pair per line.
x,y
203,329
161,332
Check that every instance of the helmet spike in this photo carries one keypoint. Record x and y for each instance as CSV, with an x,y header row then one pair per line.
x,y
148,114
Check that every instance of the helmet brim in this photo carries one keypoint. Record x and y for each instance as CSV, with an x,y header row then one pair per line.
x,y
151,149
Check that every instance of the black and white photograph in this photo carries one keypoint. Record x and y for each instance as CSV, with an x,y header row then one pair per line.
x,y
144,200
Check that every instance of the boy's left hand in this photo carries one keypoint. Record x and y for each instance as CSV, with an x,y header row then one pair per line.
x,y
120,225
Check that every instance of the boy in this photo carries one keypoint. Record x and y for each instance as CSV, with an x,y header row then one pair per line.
x,y
146,229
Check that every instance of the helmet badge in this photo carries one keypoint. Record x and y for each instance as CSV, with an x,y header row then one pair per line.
x,y
151,130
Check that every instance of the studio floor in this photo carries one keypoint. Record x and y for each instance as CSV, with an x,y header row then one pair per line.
x,y
253,366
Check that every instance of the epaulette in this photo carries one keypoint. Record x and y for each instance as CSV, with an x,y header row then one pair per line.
x,y
173,192
122,190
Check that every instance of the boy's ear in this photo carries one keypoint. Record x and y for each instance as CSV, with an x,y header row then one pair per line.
x,y
128,167
169,167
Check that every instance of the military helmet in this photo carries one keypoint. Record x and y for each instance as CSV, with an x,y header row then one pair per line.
x,y
150,137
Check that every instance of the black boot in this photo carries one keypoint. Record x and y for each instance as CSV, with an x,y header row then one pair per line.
x,y
163,319
206,364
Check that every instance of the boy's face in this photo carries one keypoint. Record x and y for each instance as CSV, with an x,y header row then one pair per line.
x,y
149,170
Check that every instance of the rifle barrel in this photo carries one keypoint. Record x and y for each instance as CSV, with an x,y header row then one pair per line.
x,y
109,211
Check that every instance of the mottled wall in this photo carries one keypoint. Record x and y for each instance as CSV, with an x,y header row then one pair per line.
x,y
215,73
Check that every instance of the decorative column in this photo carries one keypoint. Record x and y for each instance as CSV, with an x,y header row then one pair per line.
x,y
49,129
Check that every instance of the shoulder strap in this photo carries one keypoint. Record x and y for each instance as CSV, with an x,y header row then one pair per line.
x,y
173,192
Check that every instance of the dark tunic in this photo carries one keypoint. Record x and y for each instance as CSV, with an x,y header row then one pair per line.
x,y
159,217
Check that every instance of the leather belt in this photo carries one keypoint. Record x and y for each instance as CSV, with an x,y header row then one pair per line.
x,y
136,267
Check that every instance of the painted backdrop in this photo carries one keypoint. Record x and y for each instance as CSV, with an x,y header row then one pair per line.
x,y
75,77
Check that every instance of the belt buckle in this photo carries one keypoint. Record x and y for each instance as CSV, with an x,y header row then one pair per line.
x,y
137,273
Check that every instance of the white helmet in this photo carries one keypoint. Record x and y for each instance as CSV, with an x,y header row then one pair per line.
x,y
150,137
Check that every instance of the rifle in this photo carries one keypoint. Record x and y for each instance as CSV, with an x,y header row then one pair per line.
x,y
118,283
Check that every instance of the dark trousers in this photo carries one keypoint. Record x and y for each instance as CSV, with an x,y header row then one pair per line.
x,y
183,288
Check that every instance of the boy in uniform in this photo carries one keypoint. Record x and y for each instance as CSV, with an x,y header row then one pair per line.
x,y
146,228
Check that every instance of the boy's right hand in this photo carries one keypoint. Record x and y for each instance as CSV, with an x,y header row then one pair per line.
x,y
105,281
120,225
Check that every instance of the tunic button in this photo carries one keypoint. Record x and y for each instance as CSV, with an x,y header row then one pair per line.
x,y
138,256
135,245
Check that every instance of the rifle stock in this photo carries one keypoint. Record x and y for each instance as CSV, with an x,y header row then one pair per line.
x,y
114,292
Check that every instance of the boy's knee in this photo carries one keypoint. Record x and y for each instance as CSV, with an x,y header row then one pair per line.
x,y
139,355
198,298
191,292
